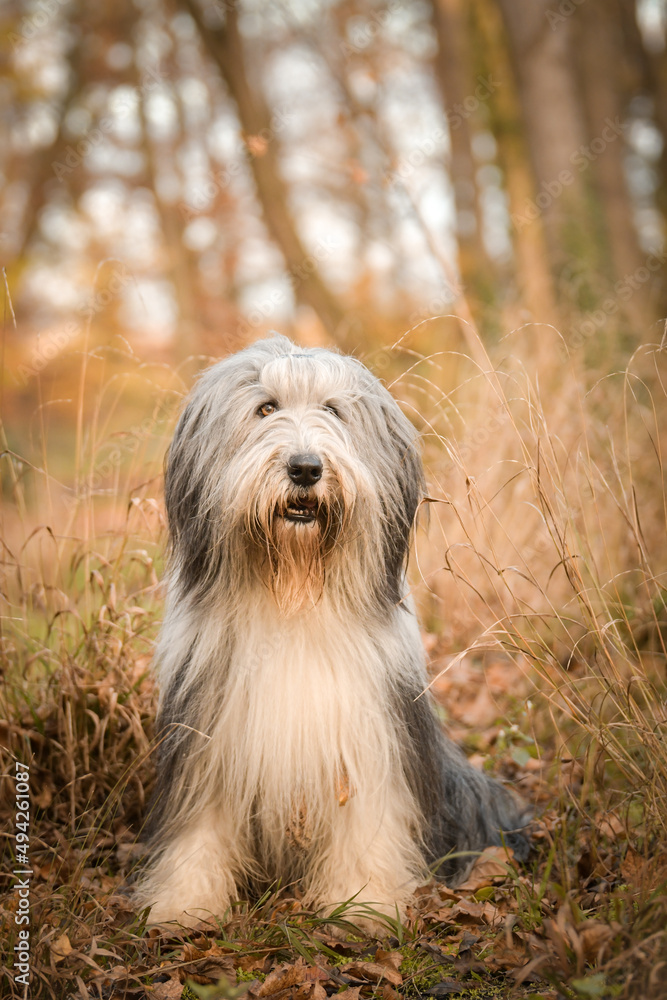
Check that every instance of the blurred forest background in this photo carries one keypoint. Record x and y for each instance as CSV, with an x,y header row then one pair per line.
x,y
471,196
189,174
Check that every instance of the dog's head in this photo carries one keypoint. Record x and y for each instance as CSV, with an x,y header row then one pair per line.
x,y
283,461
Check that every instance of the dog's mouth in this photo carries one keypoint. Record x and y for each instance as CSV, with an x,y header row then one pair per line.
x,y
301,510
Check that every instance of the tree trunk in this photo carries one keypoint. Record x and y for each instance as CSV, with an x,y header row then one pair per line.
x,y
225,45
453,73
179,266
40,171
555,129
647,72
536,288
599,41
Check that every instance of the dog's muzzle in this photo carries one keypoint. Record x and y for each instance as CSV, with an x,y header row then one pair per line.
x,y
303,506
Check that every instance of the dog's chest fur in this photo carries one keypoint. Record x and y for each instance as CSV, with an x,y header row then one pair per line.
x,y
305,727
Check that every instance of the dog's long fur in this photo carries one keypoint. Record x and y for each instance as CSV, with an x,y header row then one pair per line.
x,y
296,741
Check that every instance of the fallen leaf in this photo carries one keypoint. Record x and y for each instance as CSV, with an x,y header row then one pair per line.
x,y
633,867
209,964
251,963
466,908
60,948
310,991
282,978
373,972
171,990
467,941
391,959
45,796
389,993
446,893
559,938
492,863
316,974
483,912
609,825
593,936
505,958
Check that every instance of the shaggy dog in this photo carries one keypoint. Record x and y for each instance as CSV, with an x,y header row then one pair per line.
x,y
296,740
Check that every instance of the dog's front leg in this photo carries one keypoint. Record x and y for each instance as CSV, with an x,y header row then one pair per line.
x,y
374,860
192,879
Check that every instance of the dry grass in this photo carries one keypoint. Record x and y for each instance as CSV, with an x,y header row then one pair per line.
x,y
541,578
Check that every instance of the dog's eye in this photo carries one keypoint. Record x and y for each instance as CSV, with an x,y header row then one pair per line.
x,y
266,409
332,409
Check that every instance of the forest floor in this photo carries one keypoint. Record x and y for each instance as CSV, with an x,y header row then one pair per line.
x,y
586,916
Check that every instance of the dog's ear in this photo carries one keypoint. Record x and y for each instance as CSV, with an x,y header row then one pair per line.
x,y
402,496
186,498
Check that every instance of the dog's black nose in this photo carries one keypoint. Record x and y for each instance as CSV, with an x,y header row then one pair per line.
x,y
304,470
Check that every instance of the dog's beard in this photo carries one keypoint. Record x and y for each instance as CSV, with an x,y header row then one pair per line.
x,y
293,539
